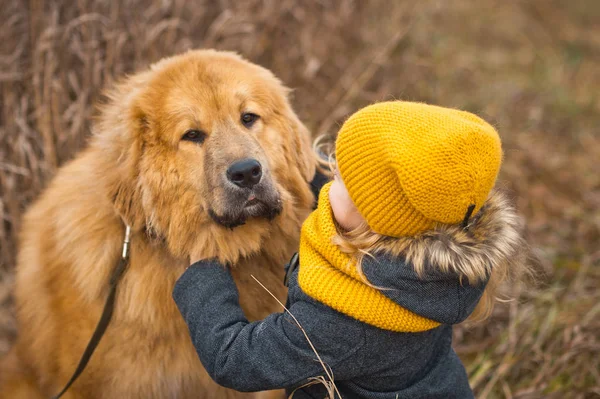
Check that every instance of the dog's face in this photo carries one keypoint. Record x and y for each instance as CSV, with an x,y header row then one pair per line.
x,y
216,127
214,144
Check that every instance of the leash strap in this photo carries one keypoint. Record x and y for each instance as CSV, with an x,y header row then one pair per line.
x,y
317,183
290,268
107,313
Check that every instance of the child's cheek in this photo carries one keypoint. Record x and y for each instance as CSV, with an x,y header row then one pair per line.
x,y
335,201
341,204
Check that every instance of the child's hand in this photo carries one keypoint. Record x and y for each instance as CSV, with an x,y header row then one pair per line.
x,y
344,210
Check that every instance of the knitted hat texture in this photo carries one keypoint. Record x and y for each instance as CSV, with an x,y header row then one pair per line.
x,y
408,166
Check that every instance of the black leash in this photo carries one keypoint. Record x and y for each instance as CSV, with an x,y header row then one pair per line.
x,y
317,183
290,268
106,314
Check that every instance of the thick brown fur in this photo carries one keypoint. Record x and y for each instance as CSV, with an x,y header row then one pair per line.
x,y
138,170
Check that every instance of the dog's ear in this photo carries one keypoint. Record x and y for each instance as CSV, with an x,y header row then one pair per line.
x,y
301,144
126,189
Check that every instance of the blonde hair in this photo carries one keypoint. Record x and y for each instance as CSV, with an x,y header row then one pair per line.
x,y
363,242
511,262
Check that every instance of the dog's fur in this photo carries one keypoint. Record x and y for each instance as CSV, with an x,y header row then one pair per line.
x,y
138,170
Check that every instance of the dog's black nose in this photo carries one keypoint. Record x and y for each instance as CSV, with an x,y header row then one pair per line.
x,y
245,173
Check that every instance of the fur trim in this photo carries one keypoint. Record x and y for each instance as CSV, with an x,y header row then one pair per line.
x,y
492,239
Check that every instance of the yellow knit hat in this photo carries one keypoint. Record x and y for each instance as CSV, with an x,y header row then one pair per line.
x,y
408,166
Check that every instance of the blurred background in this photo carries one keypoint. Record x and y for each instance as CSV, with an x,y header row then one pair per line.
x,y
530,67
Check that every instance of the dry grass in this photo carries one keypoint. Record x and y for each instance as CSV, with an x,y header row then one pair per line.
x,y
531,67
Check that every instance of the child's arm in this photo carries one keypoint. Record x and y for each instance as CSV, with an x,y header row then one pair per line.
x,y
269,354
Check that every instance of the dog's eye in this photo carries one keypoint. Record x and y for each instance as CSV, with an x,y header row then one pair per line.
x,y
197,136
248,119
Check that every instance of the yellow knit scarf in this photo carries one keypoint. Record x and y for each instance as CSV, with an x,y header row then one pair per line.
x,y
330,276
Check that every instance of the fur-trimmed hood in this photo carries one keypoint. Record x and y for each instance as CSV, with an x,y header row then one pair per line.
x,y
442,274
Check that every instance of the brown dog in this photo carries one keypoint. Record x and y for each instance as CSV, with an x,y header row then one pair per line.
x,y
201,150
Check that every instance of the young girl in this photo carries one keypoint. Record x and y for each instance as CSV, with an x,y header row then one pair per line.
x,y
405,242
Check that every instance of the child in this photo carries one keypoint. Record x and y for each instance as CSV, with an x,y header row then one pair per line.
x,y
401,247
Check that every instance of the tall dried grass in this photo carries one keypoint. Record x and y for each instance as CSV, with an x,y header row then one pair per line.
x,y
531,67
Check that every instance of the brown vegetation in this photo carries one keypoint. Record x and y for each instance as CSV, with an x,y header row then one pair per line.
x,y
531,67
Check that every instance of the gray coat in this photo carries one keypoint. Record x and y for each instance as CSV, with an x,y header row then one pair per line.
x,y
367,362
